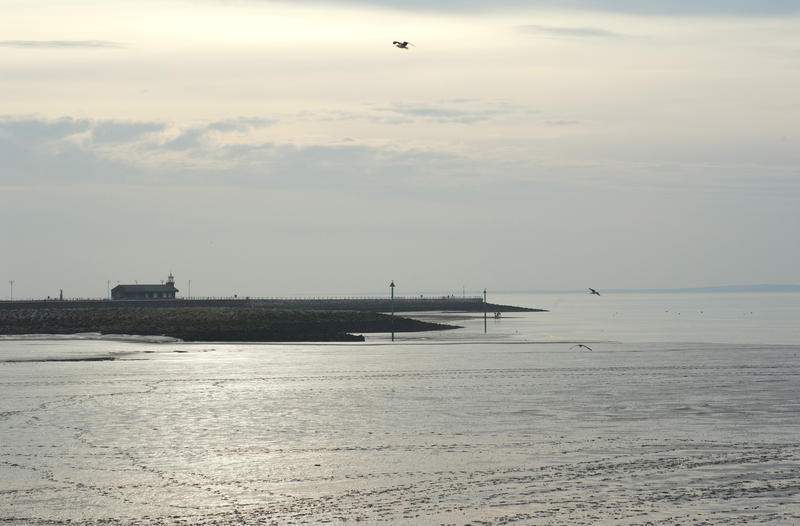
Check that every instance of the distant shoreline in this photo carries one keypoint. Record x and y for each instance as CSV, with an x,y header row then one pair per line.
x,y
732,289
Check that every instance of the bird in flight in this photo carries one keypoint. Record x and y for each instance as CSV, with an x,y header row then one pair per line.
x,y
592,291
580,345
402,45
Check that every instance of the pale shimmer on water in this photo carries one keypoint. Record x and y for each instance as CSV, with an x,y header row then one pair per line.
x,y
686,411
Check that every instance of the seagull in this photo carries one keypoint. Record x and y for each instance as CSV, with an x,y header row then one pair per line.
x,y
592,291
402,45
579,346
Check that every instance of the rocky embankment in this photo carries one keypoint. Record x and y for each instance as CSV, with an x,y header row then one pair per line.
x,y
201,323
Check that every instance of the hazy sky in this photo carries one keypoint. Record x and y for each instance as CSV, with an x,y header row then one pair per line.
x,y
270,148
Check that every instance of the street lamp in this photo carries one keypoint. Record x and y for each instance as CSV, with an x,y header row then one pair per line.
x,y
484,311
391,286
11,282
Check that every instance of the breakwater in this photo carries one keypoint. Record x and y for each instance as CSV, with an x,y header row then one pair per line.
x,y
218,323
232,320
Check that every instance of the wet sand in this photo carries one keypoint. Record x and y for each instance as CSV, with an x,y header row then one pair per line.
x,y
481,432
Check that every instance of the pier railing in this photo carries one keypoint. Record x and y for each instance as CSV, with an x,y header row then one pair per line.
x,y
261,298
319,302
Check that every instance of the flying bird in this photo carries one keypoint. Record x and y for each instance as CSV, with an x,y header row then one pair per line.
x,y
592,291
579,346
402,45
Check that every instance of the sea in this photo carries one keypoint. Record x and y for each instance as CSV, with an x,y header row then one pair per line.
x,y
630,409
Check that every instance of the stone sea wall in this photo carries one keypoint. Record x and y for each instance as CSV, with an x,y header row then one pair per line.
x,y
201,323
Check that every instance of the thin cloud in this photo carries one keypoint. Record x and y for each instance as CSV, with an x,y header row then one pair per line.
x,y
187,140
116,131
583,32
198,136
32,130
40,151
638,7
456,111
442,113
241,124
60,44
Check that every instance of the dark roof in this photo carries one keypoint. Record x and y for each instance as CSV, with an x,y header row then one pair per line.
x,y
166,287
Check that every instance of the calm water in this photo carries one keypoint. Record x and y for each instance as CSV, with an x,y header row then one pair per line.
x,y
687,411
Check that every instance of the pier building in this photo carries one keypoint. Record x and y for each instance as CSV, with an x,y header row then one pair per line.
x,y
163,291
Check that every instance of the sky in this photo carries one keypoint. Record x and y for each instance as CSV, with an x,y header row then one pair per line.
x,y
274,148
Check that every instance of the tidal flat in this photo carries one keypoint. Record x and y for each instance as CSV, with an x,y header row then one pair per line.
x,y
492,428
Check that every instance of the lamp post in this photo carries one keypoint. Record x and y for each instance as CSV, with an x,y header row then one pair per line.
x,y
11,282
391,286
484,311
